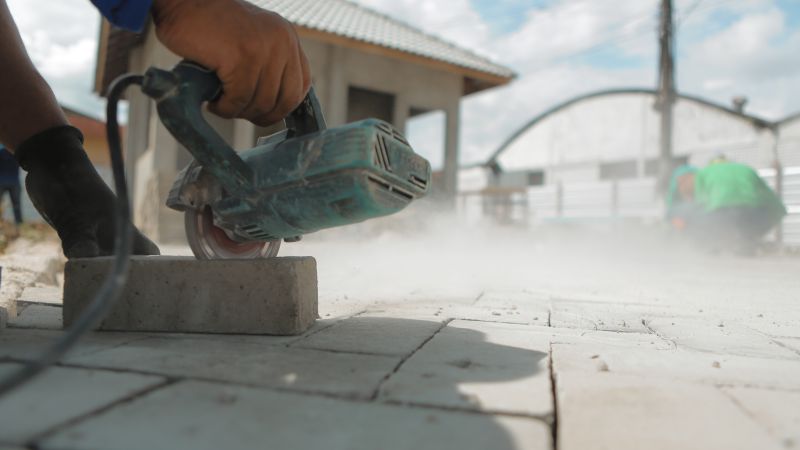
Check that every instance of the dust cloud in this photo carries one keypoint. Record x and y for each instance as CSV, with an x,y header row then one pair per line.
x,y
415,256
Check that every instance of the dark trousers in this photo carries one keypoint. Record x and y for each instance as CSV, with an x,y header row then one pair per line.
x,y
13,191
733,227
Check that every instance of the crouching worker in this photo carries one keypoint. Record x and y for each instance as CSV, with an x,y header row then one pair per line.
x,y
724,206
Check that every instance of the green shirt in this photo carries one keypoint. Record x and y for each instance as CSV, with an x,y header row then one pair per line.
x,y
729,184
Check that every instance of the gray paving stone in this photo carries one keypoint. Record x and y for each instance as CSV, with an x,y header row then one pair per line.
x,y
50,295
511,307
439,310
251,339
773,320
26,344
718,336
608,338
182,294
611,411
208,416
37,316
61,394
478,366
701,367
777,411
620,317
308,370
373,333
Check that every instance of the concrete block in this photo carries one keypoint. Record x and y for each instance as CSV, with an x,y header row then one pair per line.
x,y
41,294
60,395
275,296
37,316
203,416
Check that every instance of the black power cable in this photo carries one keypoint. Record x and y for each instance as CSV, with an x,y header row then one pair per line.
x,y
111,289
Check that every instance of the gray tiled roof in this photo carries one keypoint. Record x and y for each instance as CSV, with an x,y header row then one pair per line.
x,y
345,18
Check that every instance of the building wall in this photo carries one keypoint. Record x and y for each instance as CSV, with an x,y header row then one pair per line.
x,y
572,143
574,147
789,142
155,158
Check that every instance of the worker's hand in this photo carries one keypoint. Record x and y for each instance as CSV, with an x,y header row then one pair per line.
x,y
256,54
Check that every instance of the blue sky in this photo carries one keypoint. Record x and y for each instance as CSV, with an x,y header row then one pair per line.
x,y
559,48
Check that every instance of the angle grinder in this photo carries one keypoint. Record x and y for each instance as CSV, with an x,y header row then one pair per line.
x,y
300,180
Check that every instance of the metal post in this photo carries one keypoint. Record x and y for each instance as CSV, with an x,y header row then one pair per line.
x,y
450,175
666,93
778,182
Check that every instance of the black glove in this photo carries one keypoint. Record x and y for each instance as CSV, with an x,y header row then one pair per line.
x,y
69,194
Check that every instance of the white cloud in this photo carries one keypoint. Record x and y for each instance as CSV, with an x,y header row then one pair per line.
x,y
549,52
454,20
61,39
755,56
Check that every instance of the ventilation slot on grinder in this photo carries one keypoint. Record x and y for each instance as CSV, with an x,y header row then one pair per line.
x,y
385,185
381,154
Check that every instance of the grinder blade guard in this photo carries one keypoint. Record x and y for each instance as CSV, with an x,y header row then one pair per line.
x,y
300,180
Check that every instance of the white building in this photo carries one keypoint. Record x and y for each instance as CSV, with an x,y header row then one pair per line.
x,y
596,157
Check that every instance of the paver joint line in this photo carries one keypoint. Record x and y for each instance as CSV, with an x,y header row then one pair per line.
x,y
34,442
321,329
554,421
781,344
658,335
383,381
547,420
176,379
741,407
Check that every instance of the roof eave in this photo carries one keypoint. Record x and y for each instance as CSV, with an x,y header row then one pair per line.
x,y
474,80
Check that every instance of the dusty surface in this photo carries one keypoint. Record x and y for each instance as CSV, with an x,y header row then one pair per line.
x,y
26,264
468,341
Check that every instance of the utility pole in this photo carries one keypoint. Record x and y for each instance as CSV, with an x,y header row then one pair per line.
x,y
666,93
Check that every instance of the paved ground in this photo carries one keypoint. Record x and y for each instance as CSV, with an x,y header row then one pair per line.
x,y
455,340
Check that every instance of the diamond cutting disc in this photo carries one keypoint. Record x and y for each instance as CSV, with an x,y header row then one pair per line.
x,y
208,241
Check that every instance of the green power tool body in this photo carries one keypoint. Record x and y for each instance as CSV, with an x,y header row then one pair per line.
x,y
300,180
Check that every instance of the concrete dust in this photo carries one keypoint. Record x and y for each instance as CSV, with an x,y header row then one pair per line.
x,y
441,257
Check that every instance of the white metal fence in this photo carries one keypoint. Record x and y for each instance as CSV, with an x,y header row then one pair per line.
x,y
634,199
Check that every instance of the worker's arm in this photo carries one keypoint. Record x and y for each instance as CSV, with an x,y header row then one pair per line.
x,y
28,104
255,53
129,14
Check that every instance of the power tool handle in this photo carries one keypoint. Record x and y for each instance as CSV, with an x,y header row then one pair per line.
x,y
179,95
306,118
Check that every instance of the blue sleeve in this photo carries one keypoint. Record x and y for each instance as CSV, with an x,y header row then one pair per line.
x,y
128,14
